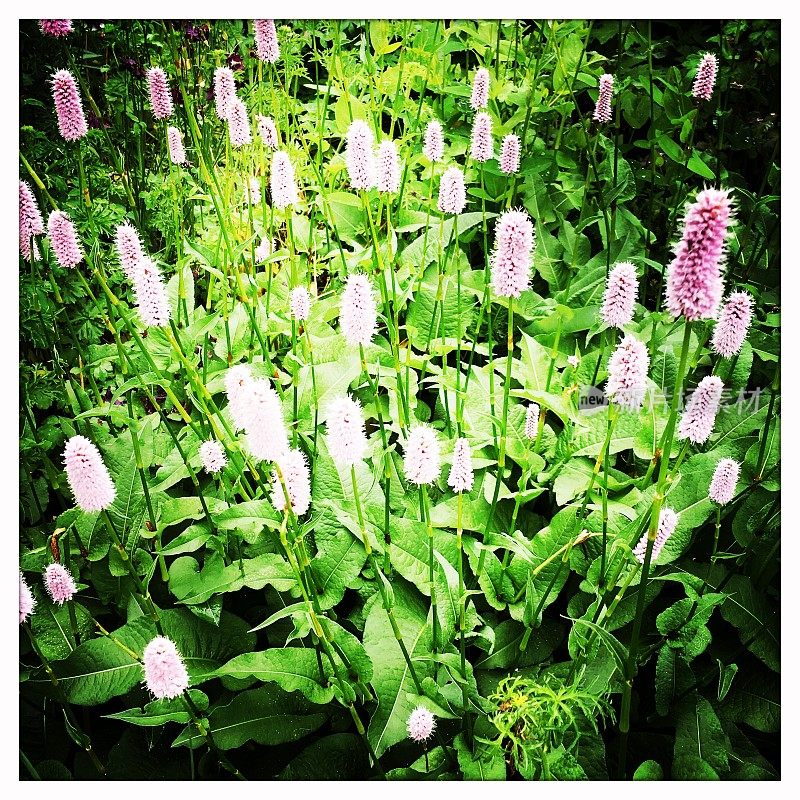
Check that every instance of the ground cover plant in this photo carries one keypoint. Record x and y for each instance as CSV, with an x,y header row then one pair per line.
x,y
399,399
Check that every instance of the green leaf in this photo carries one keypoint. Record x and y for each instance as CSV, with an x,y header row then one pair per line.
x,y
486,763
159,712
340,756
755,619
53,631
292,668
266,715
649,771
392,680
697,165
699,734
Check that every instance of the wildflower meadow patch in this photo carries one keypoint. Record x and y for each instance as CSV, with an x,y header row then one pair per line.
x,y
399,400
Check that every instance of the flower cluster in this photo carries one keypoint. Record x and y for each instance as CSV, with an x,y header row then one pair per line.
x,y
620,295
346,439
667,522
705,78
602,111
164,671
358,313
296,483
627,374
160,95
69,109
88,477
734,322
512,256
267,40
697,420
422,459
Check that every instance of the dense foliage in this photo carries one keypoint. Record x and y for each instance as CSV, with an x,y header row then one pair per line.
x,y
551,651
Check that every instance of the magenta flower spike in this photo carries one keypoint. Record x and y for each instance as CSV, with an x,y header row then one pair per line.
x,y
151,294
480,89
602,111
27,602
705,78
509,154
481,143
294,468
267,131
461,476
697,420
346,438
433,149
64,239
55,27
267,40
299,303
238,382
694,279
531,421
421,724
30,220
667,522
282,185
388,167
422,459
87,475
160,94
734,322
359,155
224,91
71,119
512,257
59,583
238,123
452,192
266,437
177,152
723,483
164,671
620,295
358,314
129,248
212,454
627,374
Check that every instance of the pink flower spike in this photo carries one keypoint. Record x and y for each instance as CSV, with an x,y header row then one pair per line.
x,y
64,239
421,724
151,294
512,257
452,192
266,438
267,131
27,602
694,279
705,78
480,89
602,111
71,120
509,154
59,583
238,381
422,459
481,144
212,454
697,420
55,27
300,303
667,522
461,476
128,247
346,438
177,153
359,155
294,468
734,322
358,314
160,94
620,295
265,249
627,374
531,421
723,484
87,475
164,671
224,91
238,123
30,219
433,148
282,185
388,167
267,40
